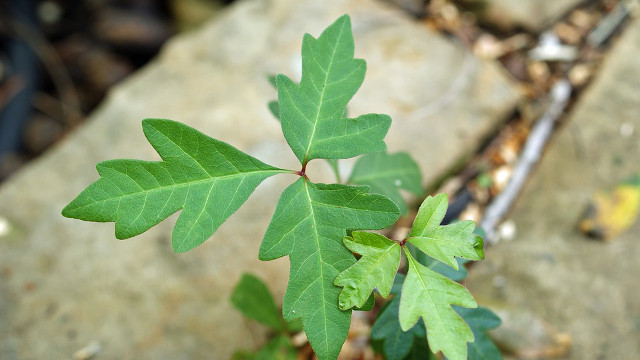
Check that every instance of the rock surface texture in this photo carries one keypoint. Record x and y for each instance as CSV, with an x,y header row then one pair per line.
x,y
579,286
65,283
533,15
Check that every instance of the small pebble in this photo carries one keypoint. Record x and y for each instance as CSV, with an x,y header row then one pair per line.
x,y
499,281
551,49
88,352
580,74
49,12
4,227
507,230
488,47
500,177
626,130
299,339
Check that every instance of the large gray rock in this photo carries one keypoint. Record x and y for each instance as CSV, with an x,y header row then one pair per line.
x,y
66,283
586,288
534,15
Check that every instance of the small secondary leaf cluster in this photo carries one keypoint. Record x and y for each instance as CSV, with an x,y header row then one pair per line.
x,y
207,180
425,293
252,297
389,338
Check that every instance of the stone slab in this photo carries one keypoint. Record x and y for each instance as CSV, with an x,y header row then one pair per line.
x,y
66,283
533,15
584,287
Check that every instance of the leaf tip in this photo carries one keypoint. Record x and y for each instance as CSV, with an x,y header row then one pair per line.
x,y
344,19
344,301
67,211
441,197
178,249
148,123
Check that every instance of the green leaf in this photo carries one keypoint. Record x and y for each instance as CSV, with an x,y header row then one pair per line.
x,y
275,111
387,174
437,266
294,326
375,269
206,178
273,108
252,297
396,343
279,348
420,351
427,294
311,113
368,304
273,105
444,243
272,80
308,225
480,320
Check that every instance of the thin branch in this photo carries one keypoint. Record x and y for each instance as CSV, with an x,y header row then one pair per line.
x,y
47,54
531,154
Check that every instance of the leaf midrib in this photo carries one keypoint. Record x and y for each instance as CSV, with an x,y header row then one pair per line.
x,y
424,285
317,240
322,94
178,185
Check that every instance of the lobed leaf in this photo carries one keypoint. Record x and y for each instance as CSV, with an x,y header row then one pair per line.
x,y
311,112
376,268
205,178
428,295
439,267
309,224
396,343
444,243
387,174
480,320
252,297
275,111
368,304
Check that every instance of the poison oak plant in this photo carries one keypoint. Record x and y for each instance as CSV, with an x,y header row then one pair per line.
x,y
208,180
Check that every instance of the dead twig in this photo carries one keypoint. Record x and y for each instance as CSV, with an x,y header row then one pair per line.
x,y
10,88
608,25
531,153
48,56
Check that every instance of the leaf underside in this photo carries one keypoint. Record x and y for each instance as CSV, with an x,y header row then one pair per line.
x,y
309,223
205,178
312,112
387,174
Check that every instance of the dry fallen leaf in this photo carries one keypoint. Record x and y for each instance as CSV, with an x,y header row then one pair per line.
x,y
611,213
